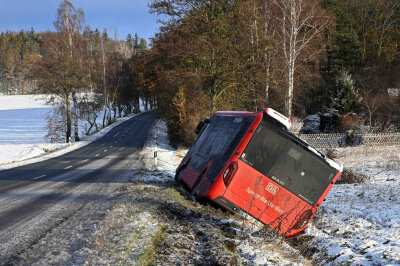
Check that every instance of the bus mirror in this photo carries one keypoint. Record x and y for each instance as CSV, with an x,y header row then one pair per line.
x,y
199,127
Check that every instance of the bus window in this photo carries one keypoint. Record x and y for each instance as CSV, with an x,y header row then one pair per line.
x,y
276,155
218,141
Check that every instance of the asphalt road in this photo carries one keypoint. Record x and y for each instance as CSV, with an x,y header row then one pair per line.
x,y
36,199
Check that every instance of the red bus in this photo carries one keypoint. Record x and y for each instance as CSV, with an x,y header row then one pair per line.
x,y
250,162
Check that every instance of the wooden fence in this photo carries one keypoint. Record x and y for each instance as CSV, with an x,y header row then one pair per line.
x,y
344,139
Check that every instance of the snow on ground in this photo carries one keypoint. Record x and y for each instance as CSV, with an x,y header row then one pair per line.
x,y
22,128
360,223
22,131
17,102
168,158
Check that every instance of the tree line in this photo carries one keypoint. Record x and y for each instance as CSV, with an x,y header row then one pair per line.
x,y
300,57
297,56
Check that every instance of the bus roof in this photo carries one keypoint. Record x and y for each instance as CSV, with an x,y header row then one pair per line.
x,y
287,123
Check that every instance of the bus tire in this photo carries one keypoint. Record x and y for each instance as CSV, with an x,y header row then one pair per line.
x,y
179,174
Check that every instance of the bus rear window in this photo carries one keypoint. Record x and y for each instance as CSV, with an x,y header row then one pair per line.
x,y
218,141
288,163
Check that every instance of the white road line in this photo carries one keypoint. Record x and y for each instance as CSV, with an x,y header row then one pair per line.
x,y
39,177
68,167
97,155
105,150
85,160
116,134
66,161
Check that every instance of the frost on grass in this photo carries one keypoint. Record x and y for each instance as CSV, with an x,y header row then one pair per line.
x,y
360,223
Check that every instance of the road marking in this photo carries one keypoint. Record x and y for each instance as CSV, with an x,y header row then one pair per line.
x,y
105,150
111,146
116,134
68,167
39,177
85,160
66,161
97,155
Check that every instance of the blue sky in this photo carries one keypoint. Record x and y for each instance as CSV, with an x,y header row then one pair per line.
x,y
128,16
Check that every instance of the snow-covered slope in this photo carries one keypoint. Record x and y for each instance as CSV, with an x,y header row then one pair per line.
x,y
360,223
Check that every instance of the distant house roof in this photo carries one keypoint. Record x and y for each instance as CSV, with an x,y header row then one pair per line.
x,y
393,92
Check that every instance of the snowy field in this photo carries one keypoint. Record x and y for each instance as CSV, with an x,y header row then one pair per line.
x,y
23,129
22,119
359,224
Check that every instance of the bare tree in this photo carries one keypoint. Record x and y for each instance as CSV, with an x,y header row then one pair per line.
x,y
270,46
69,23
301,21
61,70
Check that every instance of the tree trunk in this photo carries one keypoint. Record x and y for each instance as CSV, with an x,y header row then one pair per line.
x,y
289,94
146,104
119,110
137,105
267,78
212,102
105,113
212,96
76,121
68,107
104,82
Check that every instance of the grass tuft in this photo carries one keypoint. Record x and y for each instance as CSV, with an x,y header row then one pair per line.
x,y
148,256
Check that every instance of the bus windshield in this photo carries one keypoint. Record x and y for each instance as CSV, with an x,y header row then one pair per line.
x,y
278,156
218,141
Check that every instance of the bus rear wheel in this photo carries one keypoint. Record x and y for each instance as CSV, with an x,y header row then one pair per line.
x,y
179,175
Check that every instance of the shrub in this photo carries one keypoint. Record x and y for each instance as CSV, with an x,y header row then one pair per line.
x,y
331,153
350,177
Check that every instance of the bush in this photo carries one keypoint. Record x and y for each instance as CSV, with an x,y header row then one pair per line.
x,y
331,153
350,177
